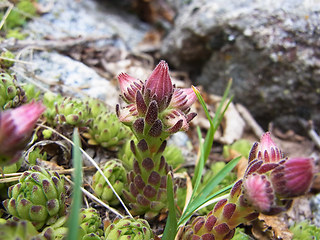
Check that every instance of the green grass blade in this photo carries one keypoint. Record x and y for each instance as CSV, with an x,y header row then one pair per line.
x,y
171,225
76,194
202,197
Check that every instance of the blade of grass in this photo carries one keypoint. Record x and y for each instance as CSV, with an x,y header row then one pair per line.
x,y
203,196
73,231
171,225
214,124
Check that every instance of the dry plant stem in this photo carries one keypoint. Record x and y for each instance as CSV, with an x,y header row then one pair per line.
x,y
4,18
258,131
16,60
59,44
12,177
94,164
94,198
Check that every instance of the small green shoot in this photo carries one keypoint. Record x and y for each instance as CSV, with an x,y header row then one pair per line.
x,y
76,195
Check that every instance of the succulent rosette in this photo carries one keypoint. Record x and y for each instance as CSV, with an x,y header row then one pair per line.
x,y
107,131
116,174
128,228
16,127
269,184
155,110
90,221
18,229
38,197
11,95
73,111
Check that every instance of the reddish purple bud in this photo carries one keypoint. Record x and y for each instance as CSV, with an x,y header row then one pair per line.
x,y
149,191
253,167
138,125
220,205
210,222
207,236
143,145
140,104
142,200
148,164
222,229
136,167
154,178
156,129
258,192
294,177
229,235
190,117
159,83
134,191
236,189
198,225
267,167
228,210
152,113
138,181
128,87
253,152
16,126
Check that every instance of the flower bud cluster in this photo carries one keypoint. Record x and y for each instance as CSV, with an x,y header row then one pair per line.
x,y
155,110
268,186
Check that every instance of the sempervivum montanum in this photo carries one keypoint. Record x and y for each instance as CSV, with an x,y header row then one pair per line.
x,y
128,228
270,183
107,131
38,197
116,174
155,110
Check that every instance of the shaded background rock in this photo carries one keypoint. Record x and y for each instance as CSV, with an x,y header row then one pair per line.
x,y
269,48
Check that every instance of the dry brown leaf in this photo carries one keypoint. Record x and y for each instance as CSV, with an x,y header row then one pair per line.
x,y
271,227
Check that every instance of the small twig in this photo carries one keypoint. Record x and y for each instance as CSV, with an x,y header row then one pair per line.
x,y
308,125
16,60
4,18
95,165
58,44
88,194
256,128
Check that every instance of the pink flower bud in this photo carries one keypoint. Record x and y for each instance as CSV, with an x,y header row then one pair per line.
x,y
16,126
159,84
258,192
266,150
183,99
128,87
294,177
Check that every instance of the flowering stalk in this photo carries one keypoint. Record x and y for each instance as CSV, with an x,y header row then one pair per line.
x,y
155,110
269,184
16,126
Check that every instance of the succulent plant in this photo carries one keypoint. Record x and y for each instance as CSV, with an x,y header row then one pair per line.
x,y
19,229
38,197
16,127
305,230
73,111
128,228
4,63
96,107
31,93
269,184
116,174
50,100
11,95
107,131
36,154
155,110
90,221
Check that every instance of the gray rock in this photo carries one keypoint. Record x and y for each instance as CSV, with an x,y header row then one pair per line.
x,y
271,50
